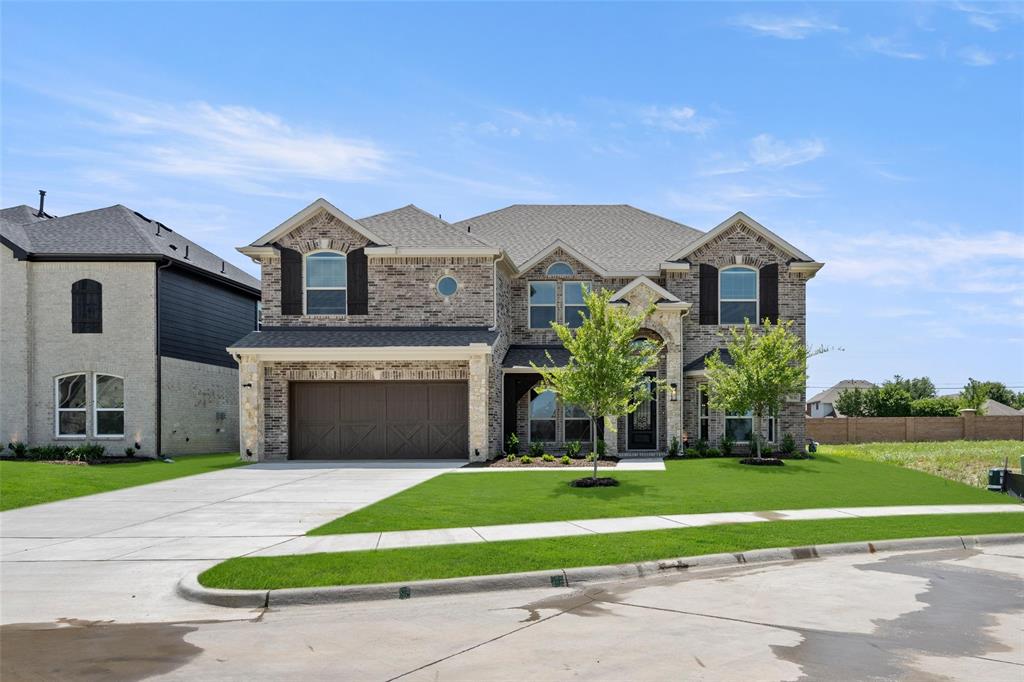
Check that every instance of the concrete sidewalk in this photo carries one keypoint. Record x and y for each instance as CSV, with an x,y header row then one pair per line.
x,y
524,531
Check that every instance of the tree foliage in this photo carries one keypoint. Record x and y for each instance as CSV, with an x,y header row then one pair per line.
x,y
941,406
919,387
768,364
606,375
851,403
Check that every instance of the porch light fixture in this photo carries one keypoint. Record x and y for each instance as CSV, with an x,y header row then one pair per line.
x,y
673,392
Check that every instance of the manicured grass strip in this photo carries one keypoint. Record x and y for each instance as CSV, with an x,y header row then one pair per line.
x,y
685,487
450,561
960,460
26,483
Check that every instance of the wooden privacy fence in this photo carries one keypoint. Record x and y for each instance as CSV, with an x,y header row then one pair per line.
x,y
904,429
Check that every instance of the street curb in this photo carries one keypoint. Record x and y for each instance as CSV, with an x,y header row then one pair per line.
x,y
189,587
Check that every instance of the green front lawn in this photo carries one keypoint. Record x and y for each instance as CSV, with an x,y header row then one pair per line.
x,y
960,460
26,483
686,487
450,561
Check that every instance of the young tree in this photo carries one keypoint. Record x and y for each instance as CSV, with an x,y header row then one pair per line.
x,y
606,375
887,400
918,388
768,364
976,392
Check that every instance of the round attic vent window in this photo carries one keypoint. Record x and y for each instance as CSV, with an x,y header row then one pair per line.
x,y
447,286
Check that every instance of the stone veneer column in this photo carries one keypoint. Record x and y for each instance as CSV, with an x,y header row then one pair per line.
x,y
673,375
479,394
250,408
611,436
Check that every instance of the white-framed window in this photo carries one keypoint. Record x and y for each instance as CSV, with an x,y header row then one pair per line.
x,y
577,424
560,269
326,278
108,406
737,295
573,304
773,428
70,406
704,416
542,417
542,304
447,286
739,427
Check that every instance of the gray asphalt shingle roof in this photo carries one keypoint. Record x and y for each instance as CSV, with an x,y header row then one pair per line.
x,y
112,231
618,238
830,395
523,355
365,337
700,363
411,226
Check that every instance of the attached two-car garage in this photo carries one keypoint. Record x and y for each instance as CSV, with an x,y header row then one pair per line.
x,y
379,419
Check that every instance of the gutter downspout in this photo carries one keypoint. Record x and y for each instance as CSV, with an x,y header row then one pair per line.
x,y
159,388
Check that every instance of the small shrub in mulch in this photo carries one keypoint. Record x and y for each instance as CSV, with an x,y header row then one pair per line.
x,y
590,482
762,461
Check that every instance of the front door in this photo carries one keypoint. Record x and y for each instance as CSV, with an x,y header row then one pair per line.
x,y
642,423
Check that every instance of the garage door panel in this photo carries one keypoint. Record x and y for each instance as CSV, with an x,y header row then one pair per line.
x,y
374,420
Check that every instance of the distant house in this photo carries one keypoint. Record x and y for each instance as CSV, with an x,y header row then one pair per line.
x,y
114,331
994,408
823,404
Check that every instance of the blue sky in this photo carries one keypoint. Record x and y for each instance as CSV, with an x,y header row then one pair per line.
x,y
883,139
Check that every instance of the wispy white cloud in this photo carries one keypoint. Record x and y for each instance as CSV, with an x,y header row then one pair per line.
x,y
515,123
891,47
730,197
991,16
785,27
975,56
679,119
768,152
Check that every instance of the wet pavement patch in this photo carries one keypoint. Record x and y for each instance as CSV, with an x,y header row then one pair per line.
x,y
93,650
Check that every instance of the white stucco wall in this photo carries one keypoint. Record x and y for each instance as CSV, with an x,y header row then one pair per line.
x,y
199,410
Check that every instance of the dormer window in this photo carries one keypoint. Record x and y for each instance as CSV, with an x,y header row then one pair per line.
x,y
737,299
560,269
326,283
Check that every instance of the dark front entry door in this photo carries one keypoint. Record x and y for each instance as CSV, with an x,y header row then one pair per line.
x,y
642,425
378,420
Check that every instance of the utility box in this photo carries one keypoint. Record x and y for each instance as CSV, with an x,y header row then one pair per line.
x,y
997,480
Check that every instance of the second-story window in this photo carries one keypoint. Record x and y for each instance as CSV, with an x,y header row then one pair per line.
x,y
737,299
573,306
326,283
86,307
542,304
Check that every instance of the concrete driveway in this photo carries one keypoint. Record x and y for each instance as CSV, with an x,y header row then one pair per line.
x,y
118,555
931,615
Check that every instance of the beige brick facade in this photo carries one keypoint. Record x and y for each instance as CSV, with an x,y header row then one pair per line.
x,y
199,407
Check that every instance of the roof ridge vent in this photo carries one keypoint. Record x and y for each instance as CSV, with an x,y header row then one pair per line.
x,y
142,216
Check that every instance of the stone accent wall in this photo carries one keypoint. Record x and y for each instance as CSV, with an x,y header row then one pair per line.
x,y
199,407
753,250
402,290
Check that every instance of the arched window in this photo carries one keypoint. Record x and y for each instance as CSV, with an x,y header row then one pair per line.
x,y
69,396
559,269
737,297
86,307
326,283
542,417
108,405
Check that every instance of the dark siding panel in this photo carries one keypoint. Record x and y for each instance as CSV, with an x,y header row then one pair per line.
x,y
199,319
358,283
291,281
769,289
708,294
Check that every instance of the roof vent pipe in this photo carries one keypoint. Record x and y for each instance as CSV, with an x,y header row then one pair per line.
x,y
158,229
222,266
186,251
42,199
469,229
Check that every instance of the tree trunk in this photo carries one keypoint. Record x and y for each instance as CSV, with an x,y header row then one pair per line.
x,y
593,442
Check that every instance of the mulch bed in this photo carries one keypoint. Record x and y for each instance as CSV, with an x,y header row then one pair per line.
x,y
762,461
600,482
502,463
83,463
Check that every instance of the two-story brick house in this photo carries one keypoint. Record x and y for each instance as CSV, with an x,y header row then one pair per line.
x,y
400,335
113,330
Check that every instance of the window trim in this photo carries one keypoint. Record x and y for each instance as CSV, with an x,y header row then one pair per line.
x,y
57,409
437,286
748,417
565,317
571,273
756,299
530,305
96,409
306,288
530,419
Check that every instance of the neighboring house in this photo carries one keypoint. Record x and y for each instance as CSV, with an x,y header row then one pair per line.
x,y
823,404
994,408
113,329
401,335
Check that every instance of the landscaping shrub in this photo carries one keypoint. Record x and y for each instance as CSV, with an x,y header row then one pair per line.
x,y
602,447
673,447
526,459
591,482
565,459
49,453
510,457
87,452
702,448
536,449
512,444
18,448
573,449
943,406
788,445
692,452
725,445
548,458
712,452
590,457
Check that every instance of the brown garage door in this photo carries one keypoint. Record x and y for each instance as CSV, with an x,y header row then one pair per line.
x,y
379,419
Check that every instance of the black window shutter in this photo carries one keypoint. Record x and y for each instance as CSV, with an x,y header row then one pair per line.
x,y
358,284
86,307
769,290
291,281
708,294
